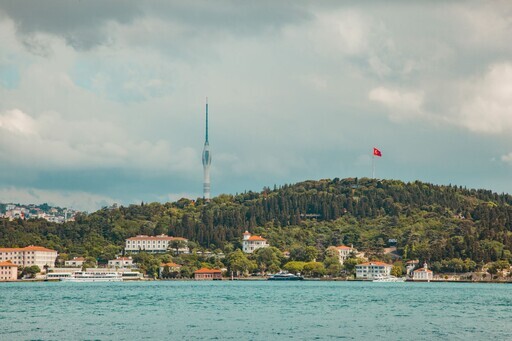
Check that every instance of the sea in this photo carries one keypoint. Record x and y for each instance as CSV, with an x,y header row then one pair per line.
x,y
255,310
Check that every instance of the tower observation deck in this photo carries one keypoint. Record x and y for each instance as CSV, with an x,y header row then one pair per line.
x,y
207,161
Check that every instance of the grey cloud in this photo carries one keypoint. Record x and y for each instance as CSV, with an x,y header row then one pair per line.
x,y
81,23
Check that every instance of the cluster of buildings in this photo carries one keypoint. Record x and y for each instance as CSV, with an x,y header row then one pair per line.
x,y
44,258
51,214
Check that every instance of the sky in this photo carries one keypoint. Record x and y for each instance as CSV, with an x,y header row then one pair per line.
x,y
103,101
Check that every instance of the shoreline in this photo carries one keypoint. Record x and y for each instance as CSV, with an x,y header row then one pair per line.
x,y
259,279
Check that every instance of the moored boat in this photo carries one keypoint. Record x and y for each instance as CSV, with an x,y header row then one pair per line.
x,y
387,279
285,276
84,276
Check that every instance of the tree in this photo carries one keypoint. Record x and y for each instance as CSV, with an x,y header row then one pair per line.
x,y
397,270
165,272
176,245
350,265
304,254
238,263
294,267
30,271
314,269
332,265
268,257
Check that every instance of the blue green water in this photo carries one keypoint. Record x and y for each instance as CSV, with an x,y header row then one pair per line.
x,y
250,310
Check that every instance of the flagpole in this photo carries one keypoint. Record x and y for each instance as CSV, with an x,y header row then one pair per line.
x,y
373,166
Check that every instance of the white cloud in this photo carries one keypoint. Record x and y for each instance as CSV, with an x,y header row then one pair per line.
x,y
507,158
486,102
18,122
402,104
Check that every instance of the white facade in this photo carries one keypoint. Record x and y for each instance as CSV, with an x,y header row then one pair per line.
x,y
423,274
370,270
253,243
344,252
121,262
28,256
153,244
75,262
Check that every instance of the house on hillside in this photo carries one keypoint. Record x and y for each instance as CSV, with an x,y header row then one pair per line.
x,y
121,262
173,268
76,262
252,243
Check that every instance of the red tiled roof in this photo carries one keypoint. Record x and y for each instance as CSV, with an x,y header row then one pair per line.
x,y
422,270
343,247
28,248
171,265
81,259
257,238
8,263
374,263
247,232
123,258
140,237
207,271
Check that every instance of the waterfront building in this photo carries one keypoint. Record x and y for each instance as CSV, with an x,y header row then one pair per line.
x,y
252,243
28,256
154,244
207,274
121,262
75,262
8,271
207,161
173,267
370,270
423,274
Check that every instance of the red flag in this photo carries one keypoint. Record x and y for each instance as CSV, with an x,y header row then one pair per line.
x,y
377,152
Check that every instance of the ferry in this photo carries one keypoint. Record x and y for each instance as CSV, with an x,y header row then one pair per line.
x,y
285,276
84,276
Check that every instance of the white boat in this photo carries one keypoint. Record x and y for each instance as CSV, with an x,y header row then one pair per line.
x,y
84,276
285,276
387,279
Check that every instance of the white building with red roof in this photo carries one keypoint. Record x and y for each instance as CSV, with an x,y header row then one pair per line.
x,y
370,270
252,243
30,255
423,274
344,252
8,271
154,244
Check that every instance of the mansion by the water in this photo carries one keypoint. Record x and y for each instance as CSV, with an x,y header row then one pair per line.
x,y
154,244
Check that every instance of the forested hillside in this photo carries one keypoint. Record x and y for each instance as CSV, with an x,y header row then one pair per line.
x,y
429,222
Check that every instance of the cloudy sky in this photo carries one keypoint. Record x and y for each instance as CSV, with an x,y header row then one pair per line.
x,y
103,101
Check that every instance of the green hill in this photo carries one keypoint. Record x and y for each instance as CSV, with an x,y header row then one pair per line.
x,y
428,222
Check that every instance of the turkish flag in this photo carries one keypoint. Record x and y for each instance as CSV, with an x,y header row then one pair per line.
x,y
377,152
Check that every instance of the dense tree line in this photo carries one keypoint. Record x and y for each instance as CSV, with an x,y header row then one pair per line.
x,y
428,222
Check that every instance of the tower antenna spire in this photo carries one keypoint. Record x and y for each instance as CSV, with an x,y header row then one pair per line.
x,y
206,139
